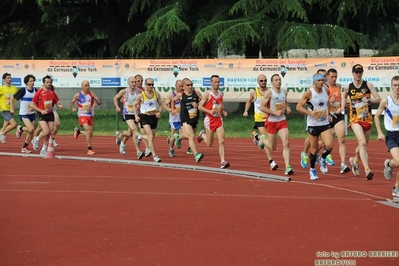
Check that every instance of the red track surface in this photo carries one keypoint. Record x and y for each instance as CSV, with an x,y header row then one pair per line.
x,y
72,212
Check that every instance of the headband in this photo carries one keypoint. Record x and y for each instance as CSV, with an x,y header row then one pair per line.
x,y
317,77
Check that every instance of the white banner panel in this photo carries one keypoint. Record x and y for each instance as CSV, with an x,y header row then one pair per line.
x,y
237,76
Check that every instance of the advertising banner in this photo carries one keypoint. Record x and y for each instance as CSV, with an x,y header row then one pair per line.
x,y
237,76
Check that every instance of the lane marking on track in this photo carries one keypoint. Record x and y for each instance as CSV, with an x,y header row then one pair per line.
x,y
182,194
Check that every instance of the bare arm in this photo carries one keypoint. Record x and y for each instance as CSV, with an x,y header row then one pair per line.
x,y
381,108
265,100
120,94
72,103
376,97
201,107
167,105
300,107
249,102
159,99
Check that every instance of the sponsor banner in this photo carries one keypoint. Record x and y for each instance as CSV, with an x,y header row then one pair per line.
x,y
237,76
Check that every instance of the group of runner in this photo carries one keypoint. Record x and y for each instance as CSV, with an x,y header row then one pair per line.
x,y
323,104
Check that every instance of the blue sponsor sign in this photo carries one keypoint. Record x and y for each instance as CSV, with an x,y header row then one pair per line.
x,y
207,82
16,82
111,82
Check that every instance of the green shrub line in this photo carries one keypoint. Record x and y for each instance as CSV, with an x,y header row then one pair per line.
x,y
106,122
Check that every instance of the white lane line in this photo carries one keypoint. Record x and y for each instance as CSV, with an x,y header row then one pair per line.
x,y
215,194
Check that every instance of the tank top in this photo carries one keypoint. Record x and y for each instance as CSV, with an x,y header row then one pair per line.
x,y
318,103
391,117
187,111
176,117
276,103
24,107
128,102
258,114
335,105
85,104
358,110
214,103
149,106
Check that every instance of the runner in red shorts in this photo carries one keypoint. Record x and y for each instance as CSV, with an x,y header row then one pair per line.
x,y
274,104
213,106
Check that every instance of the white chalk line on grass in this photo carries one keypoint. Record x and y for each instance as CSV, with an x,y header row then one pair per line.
x,y
180,194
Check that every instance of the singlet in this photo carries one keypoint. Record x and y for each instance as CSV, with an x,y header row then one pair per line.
x,y
276,103
85,104
176,117
335,105
187,111
26,97
149,106
391,117
128,102
358,110
214,103
5,96
259,116
318,103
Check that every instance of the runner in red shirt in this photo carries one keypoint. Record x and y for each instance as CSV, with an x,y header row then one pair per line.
x,y
43,103
212,105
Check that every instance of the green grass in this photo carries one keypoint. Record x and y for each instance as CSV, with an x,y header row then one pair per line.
x,y
106,122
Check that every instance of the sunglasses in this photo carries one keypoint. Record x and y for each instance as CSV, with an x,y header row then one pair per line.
x,y
358,72
189,84
262,80
139,81
150,84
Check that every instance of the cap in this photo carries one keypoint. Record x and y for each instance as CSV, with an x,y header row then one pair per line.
x,y
357,67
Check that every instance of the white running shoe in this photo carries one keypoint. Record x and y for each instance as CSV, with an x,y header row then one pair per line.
x,y
122,149
55,143
355,166
19,131
387,170
2,138
344,168
157,159
35,143
313,174
147,152
273,165
323,165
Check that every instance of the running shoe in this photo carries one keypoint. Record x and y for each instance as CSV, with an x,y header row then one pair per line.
x,y
355,166
261,145
273,165
122,148
189,151
25,150
35,143
200,138
224,165
198,157
19,131
157,159
255,137
344,168
171,153
140,155
329,160
304,160
177,140
323,165
2,138
313,174
289,170
395,191
118,138
43,152
369,174
147,152
90,152
387,170
55,143
76,132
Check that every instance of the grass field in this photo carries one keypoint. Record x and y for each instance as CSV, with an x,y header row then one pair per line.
x,y
108,121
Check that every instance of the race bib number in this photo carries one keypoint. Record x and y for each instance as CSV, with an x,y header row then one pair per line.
x,y
321,115
48,106
192,112
86,108
362,110
217,108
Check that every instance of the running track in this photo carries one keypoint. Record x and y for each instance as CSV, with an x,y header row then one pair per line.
x,y
85,212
